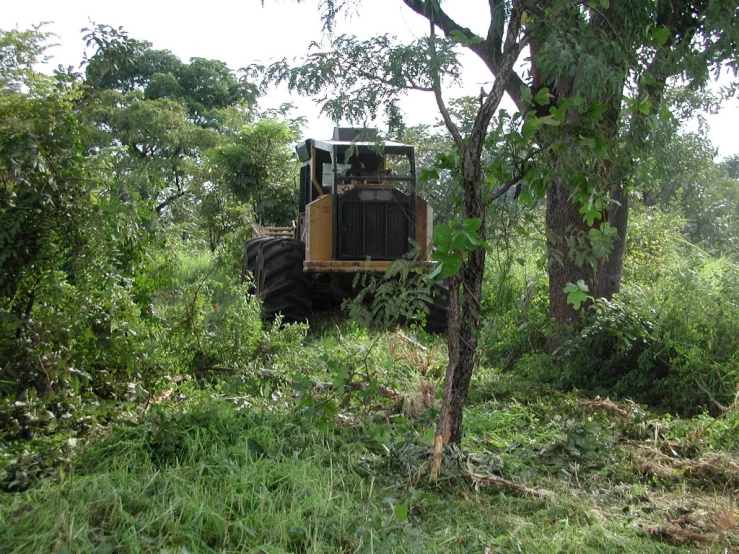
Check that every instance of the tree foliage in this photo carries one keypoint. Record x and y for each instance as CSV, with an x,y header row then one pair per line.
x,y
103,172
124,64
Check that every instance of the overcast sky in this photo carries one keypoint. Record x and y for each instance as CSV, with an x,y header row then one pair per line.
x,y
243,32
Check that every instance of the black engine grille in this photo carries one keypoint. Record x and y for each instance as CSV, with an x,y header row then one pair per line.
x,y
373,223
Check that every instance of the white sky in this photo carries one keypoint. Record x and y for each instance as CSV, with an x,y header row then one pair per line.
x,y
243,32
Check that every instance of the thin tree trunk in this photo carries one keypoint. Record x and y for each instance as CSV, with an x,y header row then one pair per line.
x,y
468,338
464,322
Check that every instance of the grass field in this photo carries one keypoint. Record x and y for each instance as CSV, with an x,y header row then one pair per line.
x,y
326,450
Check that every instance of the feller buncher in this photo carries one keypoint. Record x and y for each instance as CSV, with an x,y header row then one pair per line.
x,y
358,212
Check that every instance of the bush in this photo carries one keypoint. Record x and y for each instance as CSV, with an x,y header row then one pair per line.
x,y
210,317
673,344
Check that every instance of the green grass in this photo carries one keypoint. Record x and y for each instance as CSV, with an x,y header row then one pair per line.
x,y
235,466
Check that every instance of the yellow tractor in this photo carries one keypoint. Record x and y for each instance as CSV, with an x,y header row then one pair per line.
x,y
358,212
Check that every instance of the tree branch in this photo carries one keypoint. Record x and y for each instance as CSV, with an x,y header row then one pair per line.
x,y
511,50
502,190
453,129
167,201
370,77
497,24
488,50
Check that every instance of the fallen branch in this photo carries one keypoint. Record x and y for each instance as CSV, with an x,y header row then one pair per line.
x,y
677,533
412,341
216,369
354,387
606,405
702,386
498,481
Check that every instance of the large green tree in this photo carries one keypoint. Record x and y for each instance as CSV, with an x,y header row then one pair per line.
x,y
42,171
589,95
158,119
682,176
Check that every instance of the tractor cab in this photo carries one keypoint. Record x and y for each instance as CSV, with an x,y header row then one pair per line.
x,y
358,202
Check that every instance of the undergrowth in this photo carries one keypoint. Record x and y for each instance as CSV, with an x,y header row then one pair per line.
x,y
328,452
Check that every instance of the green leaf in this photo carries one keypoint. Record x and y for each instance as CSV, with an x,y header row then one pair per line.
x,y
660,35
401,511
550,120
526,197
428,435
526,94
442,237
459,37
473,239
330,409
428,175
576,293
608,230
472,224
450,263
542,97
460,243
645,107
558,114
340,378
530,126
445,161
436,272
538,187
576,298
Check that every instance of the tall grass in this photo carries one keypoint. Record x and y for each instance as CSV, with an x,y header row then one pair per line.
x,y
215,476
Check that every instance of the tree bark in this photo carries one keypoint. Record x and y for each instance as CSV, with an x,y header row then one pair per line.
x,y
564,224
610,272
567,232
463,335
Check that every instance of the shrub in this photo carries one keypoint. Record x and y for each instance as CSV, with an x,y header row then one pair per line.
x,y
673,344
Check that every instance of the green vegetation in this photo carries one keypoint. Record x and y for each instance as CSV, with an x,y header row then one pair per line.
x,y
256,461
145,406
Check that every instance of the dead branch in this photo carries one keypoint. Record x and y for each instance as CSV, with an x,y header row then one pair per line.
x,y
385,392
677,534
500,482
605,405
412,341
702,386
215,369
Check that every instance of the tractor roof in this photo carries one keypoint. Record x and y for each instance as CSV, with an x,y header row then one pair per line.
x,y
342,141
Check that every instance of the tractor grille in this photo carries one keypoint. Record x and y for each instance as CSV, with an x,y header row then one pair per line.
x,y
373,223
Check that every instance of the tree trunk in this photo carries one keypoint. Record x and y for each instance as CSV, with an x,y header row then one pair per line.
x,y
567,233
608,279
564,226
464,322
462,347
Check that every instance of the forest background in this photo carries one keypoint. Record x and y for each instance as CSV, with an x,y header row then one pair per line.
x,y
128,186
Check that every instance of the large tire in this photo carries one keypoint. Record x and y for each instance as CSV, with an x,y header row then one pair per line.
x,y
280,282
252,250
